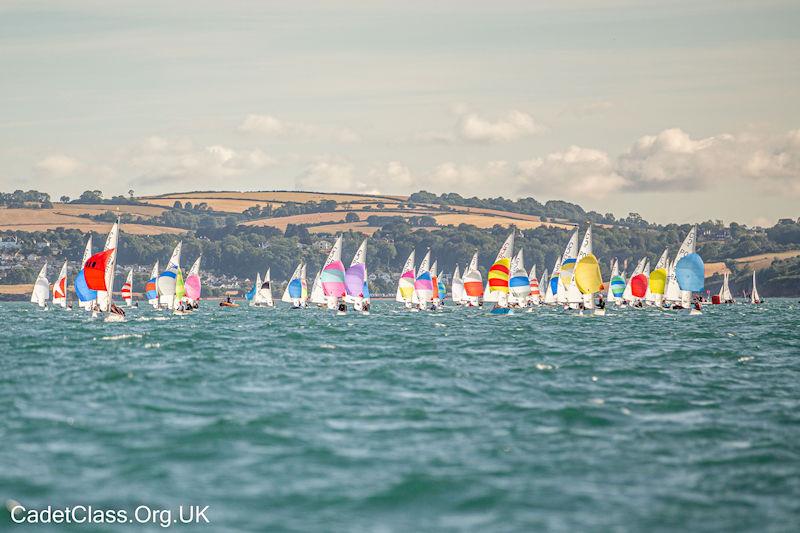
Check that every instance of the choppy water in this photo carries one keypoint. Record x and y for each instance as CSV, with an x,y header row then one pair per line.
x,y
453,421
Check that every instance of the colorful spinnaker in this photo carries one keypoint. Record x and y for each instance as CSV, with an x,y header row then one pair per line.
x,y
250,295
638,285
127,288
355,276
41,288
167,280
473,282
423,284
435,282
627,294
690,272
575,296
534,295
587,277
192,284
109,261
86,296
151,288
60,287
566,268
294,289
673,293
333,274
502,268
519,284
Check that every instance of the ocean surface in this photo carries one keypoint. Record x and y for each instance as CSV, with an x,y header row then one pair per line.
x,y
284,420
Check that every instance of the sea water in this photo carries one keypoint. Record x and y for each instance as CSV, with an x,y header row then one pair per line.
x,y
299,420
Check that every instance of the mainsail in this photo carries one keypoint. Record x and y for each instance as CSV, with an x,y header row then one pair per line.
x,y
457,286
673,292
41,288
628,294
754,298
574,294
60,287
105,295
317,294
263,295
551,294
168,279
725,295
252,295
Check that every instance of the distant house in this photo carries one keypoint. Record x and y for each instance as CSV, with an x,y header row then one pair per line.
x,y
9,244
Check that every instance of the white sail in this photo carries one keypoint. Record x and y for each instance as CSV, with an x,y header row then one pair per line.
x,y
648,296
361,254
104,298
167,280
457,287
505,252
60,287
672,293
195,270
336,252
295,275
569,256
317,294
264,292
687,247
549,296
754,297
404,283
41,288
256,300
304,285
154,275
534,300
574,295
519,295
725,291
424,266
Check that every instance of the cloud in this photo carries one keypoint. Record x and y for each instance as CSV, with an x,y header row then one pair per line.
x,y
270,125
157,159
777,165
58,166
515,125
472,127
332,174
575,172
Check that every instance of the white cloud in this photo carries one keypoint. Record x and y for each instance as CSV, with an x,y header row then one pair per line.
x,y
332,174
58,166
270,125
575,172
158,159
777,165
515,125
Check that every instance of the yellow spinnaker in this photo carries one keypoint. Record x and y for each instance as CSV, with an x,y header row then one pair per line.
x,y
587,275
658,281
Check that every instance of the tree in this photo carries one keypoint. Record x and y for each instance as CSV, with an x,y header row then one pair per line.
x,y
380,205
177,205
64,199
130,193
92,197
351,217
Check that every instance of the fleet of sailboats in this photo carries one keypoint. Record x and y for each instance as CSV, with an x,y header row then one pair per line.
x,y
575,283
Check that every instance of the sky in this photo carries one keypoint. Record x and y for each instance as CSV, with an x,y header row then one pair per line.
x,y
680,111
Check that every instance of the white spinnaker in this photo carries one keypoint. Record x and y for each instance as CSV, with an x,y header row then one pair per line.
x,y
570,254
166,283
408,266
41,288
505,252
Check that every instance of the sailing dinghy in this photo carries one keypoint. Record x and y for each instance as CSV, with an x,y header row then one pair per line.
x,y
60,288
754,297
41,288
